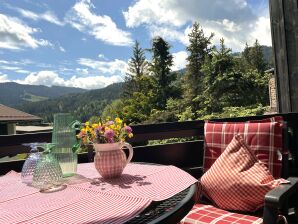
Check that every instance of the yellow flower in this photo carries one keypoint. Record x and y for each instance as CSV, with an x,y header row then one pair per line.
x,y
118,120
87,124
130,135
94,126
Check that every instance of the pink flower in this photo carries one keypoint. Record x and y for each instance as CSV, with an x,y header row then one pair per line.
x,y
110,140
109,134
109,123
81,135
128,129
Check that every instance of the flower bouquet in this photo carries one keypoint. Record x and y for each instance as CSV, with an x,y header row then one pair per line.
x,y
108,132
108,139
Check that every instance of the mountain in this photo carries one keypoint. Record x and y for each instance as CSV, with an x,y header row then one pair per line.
x,y
81,105
267,52
268,55
13,94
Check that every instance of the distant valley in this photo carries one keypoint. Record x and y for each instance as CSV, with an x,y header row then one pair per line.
x,y
14,94
82,105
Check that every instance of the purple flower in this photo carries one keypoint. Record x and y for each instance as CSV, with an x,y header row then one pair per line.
x,y
128,129
109,134
110,140
97,130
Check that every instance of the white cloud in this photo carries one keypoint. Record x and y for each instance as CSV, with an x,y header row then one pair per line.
x,y
50,78
22,71
61,49
230,25
3,78
179,60
178,13
47,78
47,16
101,56
234,20
15,35
262,31
15,63
169,33
58,45
8,67
236,41
83,71
111,67
100,27
93,82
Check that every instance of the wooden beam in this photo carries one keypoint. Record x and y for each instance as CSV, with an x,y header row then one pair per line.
x,y
284,31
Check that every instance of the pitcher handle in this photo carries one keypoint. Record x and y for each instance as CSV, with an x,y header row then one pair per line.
x,y
75,125
130,149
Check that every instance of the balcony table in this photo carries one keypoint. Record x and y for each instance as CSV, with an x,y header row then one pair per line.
x,y
145,193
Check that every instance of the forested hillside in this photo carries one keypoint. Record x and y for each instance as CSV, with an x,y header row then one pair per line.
x,y
12,94
81,105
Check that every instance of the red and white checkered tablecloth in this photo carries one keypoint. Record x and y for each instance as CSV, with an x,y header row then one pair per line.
x,y
155,182
88,198
11,187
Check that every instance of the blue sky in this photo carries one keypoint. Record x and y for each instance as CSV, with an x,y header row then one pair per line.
x,y
88,43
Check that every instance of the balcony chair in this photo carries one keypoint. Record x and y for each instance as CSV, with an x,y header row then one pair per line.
x,y
268,141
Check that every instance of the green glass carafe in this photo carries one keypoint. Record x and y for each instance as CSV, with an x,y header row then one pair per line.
x,y
66,144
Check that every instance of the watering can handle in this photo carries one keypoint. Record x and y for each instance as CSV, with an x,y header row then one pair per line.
x,y
130,149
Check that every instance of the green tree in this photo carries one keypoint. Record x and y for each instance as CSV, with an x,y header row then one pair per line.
x,y
113,110
199,48
227,85
253,58
137,109
160,67
137,67
219,65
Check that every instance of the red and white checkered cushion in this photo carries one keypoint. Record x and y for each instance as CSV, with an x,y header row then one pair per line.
x,y
238,180
203,214
263,137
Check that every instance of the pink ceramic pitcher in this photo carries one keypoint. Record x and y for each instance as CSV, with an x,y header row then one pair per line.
x,y
110,158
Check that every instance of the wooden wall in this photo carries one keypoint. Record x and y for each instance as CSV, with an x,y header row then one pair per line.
x,y
284,30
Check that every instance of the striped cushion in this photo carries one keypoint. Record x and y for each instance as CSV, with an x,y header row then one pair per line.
x,y
238,180
203,214
264,138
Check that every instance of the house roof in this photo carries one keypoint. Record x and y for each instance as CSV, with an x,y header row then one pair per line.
x,y
9,114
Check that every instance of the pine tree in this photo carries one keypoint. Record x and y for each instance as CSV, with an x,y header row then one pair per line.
x,y
160,67
226,85
215,69
253,58
199,48
137,68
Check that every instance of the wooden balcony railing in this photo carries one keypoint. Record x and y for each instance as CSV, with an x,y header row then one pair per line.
x,y
187,155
